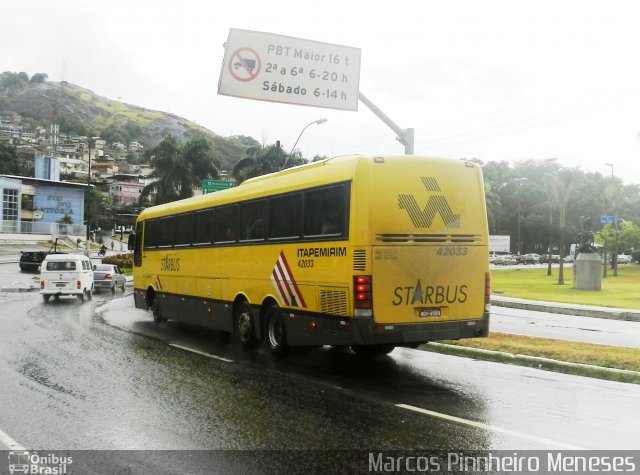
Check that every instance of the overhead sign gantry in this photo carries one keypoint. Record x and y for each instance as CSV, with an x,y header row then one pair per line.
x,y
276,68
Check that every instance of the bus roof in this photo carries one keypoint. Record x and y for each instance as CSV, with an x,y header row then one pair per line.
x,y
336,169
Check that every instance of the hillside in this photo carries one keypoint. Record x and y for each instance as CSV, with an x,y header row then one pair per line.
x,y
81,111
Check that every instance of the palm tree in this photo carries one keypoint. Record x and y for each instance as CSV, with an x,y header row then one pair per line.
x,y
262,160
178,169
562,189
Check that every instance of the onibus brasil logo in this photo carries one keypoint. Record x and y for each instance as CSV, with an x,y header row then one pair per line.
x,y
24,461
436,204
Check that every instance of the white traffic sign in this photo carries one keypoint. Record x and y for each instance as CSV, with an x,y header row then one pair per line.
x,y
276,68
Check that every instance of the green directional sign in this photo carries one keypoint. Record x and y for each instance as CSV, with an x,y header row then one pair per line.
x,y
209,186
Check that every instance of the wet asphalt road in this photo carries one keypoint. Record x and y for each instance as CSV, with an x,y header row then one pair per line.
x,y
600,331
101,375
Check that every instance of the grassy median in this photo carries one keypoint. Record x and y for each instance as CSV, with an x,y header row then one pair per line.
x,y
574,352
622,291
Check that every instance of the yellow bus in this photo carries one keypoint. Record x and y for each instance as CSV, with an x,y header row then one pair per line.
x,y
366,252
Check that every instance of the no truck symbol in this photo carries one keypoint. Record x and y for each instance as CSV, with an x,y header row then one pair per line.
x,y
245,64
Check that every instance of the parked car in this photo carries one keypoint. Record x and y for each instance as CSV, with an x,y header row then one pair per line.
x,y
108,276
504,260
66,274
519,259
568,259
624,259
532,258
30,261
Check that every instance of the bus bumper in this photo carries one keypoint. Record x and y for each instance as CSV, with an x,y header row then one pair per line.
x,y
368,332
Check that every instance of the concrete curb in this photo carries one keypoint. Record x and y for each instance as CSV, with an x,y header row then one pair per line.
x,y
534,359
567,309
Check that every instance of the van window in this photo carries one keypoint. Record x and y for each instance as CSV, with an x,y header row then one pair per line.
x,y
61,265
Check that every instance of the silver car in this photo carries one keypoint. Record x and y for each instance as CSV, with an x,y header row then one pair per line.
x,y
108,276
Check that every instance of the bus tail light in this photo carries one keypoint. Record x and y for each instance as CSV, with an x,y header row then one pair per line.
x,y
78,285
362,295
487,291
42,284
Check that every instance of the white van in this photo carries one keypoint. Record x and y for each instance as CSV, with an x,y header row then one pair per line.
x,y
66,274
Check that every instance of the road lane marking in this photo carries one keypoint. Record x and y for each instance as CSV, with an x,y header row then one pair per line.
x,y
488,427
201,353
9,442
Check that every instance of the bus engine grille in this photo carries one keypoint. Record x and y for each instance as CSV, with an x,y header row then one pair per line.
x,y
434,238
333,302
360,261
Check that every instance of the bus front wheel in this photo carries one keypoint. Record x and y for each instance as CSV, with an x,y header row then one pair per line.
x,y
245,326
276,338
155,310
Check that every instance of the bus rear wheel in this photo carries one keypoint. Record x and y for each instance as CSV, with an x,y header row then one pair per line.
x,y
372,351
276,338
245,326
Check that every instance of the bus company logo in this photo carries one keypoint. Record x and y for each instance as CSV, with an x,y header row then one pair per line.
x,y
285,285
436,204
23,461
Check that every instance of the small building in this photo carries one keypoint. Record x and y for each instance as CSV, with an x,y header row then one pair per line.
x,y
35,206
125,190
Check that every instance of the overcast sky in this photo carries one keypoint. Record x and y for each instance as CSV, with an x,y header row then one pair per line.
x,y
493,80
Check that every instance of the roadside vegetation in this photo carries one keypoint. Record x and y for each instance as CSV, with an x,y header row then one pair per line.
x,y
621,291
566,351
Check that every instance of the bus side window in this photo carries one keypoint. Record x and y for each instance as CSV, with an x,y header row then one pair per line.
x,y
183,229
203,233
285,215
226,224
324,212
252,225
167,231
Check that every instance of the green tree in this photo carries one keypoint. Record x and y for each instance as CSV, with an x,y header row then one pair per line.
x,y
9,162
261,160
178,169
39,78
8,79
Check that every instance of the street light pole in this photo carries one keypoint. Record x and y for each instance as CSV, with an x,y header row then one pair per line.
x,y
88,200
614,251
88,196
318,121
604,250
519,180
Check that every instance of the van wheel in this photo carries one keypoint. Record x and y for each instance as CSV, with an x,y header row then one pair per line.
x,y
245,326
89,294
81,296
155,309
113,289
46,298
276,338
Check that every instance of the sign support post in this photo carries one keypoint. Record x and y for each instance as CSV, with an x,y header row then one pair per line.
x,y
405,136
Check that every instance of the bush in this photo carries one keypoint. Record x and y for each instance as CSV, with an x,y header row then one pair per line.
x,y
635,256
121,260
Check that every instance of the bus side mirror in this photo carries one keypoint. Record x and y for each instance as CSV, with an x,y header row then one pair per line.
x,y
132,242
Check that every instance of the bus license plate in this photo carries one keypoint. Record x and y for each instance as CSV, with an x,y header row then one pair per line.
x,y
61,284
430,312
